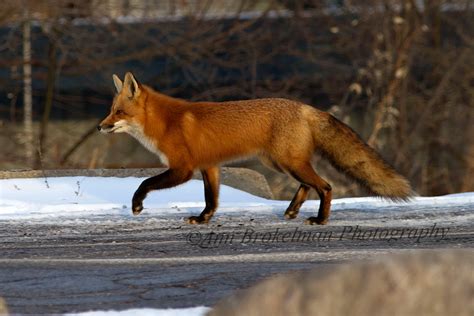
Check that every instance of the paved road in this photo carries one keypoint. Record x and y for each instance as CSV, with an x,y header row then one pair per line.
x,y
114,262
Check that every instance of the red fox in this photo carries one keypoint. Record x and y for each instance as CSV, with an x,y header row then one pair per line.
x,y
283,134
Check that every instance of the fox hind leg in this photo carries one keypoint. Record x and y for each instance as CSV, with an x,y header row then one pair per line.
x,y
298,200
308,177
210,178
300,196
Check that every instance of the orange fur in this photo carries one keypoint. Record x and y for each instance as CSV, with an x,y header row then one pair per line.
x,y
283,133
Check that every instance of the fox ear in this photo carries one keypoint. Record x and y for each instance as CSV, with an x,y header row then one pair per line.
x,y
117,82
131,85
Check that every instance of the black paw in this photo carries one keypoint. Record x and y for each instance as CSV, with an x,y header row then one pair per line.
x,y
316,221
197,220
291,214
137,208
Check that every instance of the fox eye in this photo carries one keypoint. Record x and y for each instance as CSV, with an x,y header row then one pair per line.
x,y
119,112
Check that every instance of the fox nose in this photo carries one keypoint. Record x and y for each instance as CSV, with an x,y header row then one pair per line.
x,y
99,128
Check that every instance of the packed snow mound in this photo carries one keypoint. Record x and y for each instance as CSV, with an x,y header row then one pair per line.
x,y
192,311
53,198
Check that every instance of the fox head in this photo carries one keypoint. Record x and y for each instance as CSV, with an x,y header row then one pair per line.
x,y
127,107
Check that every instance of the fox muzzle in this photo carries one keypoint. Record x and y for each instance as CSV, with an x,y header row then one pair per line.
x,y
105,128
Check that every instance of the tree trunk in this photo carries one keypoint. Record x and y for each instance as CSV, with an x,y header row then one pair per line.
x,y
27,93
51,80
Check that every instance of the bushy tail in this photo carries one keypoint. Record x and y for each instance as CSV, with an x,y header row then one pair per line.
x,y
351,155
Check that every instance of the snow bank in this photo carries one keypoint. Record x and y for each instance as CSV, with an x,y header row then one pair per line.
x,y
80,196
75,197
193,311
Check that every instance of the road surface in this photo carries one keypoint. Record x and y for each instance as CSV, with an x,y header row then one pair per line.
x,y
108,262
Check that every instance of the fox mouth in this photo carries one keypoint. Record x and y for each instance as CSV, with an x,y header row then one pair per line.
x,y
113,129
110,130
118,127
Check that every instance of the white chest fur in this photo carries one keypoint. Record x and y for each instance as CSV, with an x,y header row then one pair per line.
x,y
149,144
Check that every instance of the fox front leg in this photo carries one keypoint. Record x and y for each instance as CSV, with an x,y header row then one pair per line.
x,y
168,179
210,177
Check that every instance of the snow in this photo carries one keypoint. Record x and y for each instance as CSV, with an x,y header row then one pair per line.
x,y
81,196
193,311
84,197
75,200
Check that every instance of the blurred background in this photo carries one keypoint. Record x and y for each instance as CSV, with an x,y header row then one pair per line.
x,y
400,73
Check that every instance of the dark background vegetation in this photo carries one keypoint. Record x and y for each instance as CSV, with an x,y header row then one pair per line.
x,y
401,73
